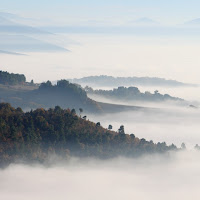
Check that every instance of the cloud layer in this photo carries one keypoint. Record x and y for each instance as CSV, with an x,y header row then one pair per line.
x,y
169,177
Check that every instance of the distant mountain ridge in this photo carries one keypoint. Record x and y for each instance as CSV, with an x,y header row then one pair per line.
x,y
110,81
64,94
8,24
17,37
24,44
132,94
15,90
12,53
4,21
144,21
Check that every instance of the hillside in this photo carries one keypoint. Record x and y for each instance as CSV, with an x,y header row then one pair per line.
x,y
15,90
29,96
11,79
110,81
64,94
36,135
132,94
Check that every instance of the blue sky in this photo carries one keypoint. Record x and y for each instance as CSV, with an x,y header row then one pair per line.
x,y
174,56
167,11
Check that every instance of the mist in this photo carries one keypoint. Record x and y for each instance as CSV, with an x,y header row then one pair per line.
x,y
109,39
172,125
189,93
110,55
168,177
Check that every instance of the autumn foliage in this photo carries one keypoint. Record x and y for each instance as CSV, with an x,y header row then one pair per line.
x,y
35,135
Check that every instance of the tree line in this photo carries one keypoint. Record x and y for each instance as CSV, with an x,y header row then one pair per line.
x,y
132,94
35,135
11,79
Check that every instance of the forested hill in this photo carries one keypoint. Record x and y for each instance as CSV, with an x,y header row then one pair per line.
x,y
11,79
64,94
36,135
110,81
132,94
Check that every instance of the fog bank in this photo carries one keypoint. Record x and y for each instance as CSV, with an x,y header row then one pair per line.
x,y
153,177
172,125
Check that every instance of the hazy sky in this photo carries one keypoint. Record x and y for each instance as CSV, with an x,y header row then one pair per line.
x,y
171,11
111,55
172,53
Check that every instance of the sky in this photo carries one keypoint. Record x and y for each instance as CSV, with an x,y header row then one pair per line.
x,y
171,11
174,56
111,55
167,52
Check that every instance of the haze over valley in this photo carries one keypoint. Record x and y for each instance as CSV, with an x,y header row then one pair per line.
x,y
99,100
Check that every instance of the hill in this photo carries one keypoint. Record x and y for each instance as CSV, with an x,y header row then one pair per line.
x,y
144,22
19,37
110,81
64,94
11,79
36,135
17,92
132,94
9,24
23,44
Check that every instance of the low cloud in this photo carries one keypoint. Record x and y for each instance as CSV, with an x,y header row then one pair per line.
x,y
154,177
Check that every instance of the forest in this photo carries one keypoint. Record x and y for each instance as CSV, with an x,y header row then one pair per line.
x,y
35,135
110,81
11,79
46,95
64,94
132,94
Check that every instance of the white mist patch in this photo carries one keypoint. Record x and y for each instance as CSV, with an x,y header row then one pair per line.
x,y
152,177
110,54
172,125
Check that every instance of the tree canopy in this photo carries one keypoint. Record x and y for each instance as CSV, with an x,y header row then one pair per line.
x,y
132,94
11,79
37,134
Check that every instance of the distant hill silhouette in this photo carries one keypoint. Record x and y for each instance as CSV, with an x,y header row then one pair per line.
x,y
64,94
17,92
11,79
110,81
132,94
144,21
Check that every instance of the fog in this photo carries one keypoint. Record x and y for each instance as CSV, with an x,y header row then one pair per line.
x,y
168,177
171,176
143,103
172,122
188,93
172,125
170,58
